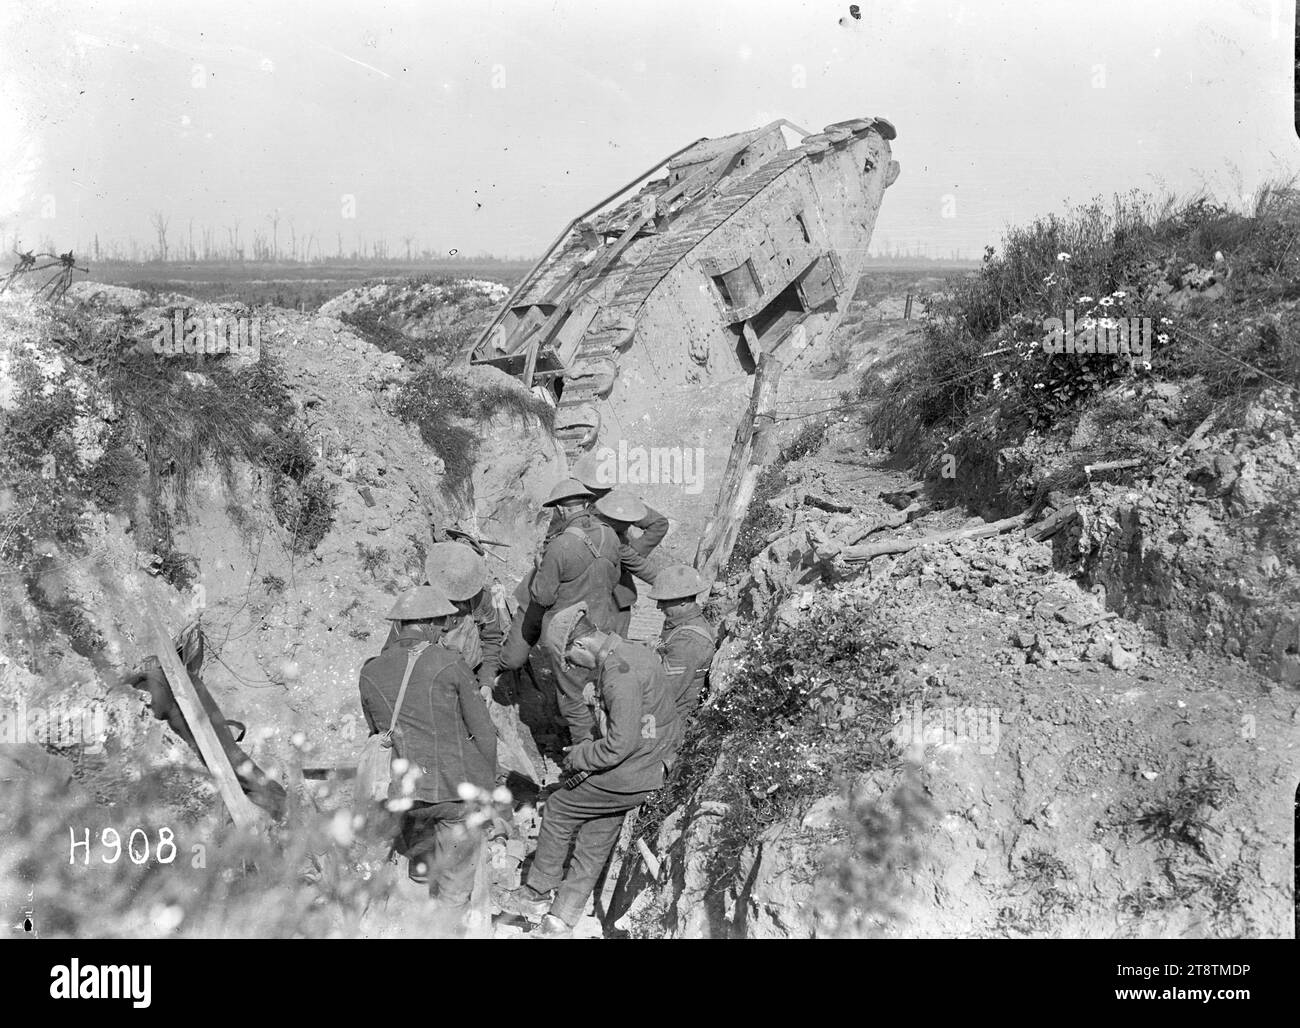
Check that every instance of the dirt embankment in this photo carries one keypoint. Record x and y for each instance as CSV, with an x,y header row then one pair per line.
x,y
1050,768
287,625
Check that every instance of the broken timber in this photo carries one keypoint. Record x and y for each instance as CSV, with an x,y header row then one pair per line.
x,y
1052,524
854,554
749,453
242,811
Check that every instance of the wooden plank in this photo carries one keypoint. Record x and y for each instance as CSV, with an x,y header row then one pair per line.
x,y
242,811
867,551
610,874
749,453
530,363
1052,524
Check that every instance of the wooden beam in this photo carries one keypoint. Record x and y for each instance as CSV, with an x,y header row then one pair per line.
x,y
242,811
1112,465
1052,523
749,452
869,550
530,363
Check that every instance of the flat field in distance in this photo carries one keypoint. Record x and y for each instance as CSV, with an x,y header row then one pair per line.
x,y
303,286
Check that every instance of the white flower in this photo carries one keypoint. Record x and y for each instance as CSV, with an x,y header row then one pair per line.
x,y
1062,256
1162,338
1165,321
341,828
1119,292
167,919
466,791
1105,301
1085,299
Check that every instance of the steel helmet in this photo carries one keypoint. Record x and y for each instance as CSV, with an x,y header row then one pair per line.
x,y
568,489
620,506
561,628
455,569
587,471
420,602
677,583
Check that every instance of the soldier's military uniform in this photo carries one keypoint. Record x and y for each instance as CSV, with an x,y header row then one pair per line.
x,y
443,729
611,774
635,549
687,642
687,645
579,566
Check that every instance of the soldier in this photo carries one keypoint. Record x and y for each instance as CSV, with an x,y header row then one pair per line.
x,y
605,776
622,511
476,629
687,642
568,498
444,731
580,564
651,528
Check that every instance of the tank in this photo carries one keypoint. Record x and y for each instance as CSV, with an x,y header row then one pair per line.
x,y
646,321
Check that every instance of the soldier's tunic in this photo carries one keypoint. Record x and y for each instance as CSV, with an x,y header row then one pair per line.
x,y
579,566
686,646
626,764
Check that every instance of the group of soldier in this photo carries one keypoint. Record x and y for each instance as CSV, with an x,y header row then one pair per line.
x,y
625,704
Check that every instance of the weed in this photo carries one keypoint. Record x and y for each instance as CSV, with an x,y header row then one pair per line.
x,y
310,877
372,557
158,420
274,584
305,509
1046,898
1220,889
1182,816
766,746
447,409
761,520
1177,263
172,566
369,324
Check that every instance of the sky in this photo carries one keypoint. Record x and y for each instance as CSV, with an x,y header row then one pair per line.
x,y
483,127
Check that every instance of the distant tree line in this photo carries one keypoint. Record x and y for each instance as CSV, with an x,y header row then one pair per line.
x,y
272,241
